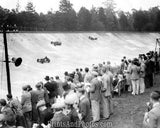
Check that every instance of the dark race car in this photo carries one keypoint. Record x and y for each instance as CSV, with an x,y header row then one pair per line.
x,y
92,38
43,60
56,43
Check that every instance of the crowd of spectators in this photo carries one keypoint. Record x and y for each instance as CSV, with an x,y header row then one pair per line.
x,y
85,95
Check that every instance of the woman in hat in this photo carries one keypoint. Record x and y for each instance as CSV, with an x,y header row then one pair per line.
x,y
9,116
26,105
60,119
71,100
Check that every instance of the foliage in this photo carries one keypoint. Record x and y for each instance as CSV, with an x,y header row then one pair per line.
x,y
97,19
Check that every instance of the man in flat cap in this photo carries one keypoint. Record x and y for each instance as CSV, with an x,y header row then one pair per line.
x,y
95,96
51,88
84,106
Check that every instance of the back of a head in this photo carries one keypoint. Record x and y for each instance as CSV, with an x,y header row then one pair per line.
x,y
155,96
66,73
81,69
9,96
104,70
66,86
3,102
86,69
57,77
77,70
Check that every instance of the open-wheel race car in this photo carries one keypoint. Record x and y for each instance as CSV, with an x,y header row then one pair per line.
x,y
56,43
43,60
92,38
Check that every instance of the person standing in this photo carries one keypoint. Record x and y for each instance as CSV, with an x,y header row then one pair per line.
x,y
128,76
141,79
106,93
84,106
95,96
88,76
59,85
149,72
9,116
152,118
51,88
26,105
16,107
134,71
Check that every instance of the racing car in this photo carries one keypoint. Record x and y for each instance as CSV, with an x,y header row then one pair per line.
x,y
43,60
92,38
56,43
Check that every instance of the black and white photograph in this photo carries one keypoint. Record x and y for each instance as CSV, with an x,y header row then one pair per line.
x,y
79,63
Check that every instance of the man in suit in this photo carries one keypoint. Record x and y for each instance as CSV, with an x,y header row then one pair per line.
x,y
16,107
135,72
95,96
9,116
152,118
149,70
59,84
60,118
84,106
106,93
88,76
26,105
51,88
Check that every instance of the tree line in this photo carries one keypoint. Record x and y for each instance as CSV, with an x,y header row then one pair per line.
x,y
96,19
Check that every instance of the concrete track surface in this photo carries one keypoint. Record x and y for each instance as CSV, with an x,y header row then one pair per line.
x,y
76,51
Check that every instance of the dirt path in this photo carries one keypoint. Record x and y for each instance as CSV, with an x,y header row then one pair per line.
x,y
129,110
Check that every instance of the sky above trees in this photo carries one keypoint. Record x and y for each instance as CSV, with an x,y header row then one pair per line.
x,y
48,5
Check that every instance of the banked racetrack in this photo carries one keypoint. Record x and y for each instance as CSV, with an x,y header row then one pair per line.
x,y
76,51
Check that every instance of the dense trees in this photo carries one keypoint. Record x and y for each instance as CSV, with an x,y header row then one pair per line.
x,y
97,19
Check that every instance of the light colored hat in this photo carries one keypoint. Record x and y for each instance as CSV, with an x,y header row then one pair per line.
x,y
71,98
94,73
38,85
59,103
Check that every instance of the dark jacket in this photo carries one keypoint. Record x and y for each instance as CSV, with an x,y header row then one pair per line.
x,y
52,88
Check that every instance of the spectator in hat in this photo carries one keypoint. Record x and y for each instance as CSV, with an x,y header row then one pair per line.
x,y
152,118
26,105
9,116
51,88
82,73
88,76
142,75
59,85
71,83
16,106
95,96
43,106
60,119
84,106
149,70
128,76
134,71
29,88
71,100
106,93
66,76
122,67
